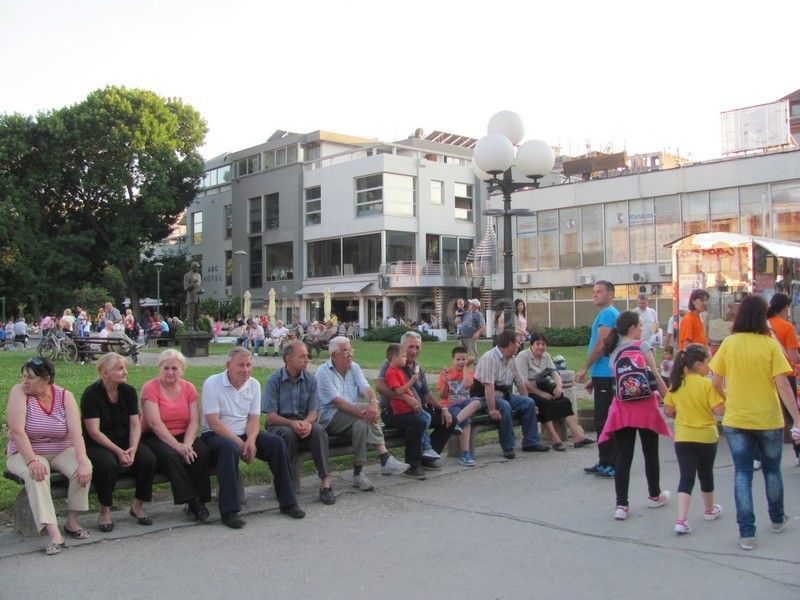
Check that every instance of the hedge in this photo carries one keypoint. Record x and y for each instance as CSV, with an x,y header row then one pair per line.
x,y
393,334
568,336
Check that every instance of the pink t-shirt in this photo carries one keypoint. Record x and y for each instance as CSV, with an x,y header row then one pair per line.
x,y
47,432
174,411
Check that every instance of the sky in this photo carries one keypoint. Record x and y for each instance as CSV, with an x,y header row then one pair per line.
x,y
623,75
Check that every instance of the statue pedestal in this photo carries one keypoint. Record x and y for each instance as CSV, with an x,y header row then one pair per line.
x,y
194,343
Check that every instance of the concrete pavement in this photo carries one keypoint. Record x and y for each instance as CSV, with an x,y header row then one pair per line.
x,y
535,526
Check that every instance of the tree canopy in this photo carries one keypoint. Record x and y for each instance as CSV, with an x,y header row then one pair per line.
x,y
89,184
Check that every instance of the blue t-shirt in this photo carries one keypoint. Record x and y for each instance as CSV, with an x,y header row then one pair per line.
x,y
605,318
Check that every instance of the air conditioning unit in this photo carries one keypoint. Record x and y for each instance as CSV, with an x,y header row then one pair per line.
x,y
639,277
643,289
523,278
585,279
665,269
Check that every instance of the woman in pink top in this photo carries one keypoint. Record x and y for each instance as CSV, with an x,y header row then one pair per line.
x,y
44,433
170,426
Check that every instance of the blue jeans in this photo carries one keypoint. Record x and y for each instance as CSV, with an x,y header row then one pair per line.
x,y
520,404
743,443
426,438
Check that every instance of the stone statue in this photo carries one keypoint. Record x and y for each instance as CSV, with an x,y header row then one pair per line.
x,y
193,286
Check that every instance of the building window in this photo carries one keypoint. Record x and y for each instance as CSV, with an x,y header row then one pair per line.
x,y
548,239
668,224
754,210
592,235
526,243
437,192
786,211
432,248
617,248
569,238
463,201
227,220
255,214
256,262
271,212
361,254
400,246
228,268
324,258
215,177
249,165
314,206
197,228
694,209
724,208
280,261
641,221
369,196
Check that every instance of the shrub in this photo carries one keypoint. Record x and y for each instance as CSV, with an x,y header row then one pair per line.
x,y
393,334
203,324
568,336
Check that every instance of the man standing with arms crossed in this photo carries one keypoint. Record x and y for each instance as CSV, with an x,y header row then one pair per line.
x,y
600,369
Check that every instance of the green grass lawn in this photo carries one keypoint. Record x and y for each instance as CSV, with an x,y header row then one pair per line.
x,y
75,378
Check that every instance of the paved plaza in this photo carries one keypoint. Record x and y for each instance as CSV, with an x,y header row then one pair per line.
x,y
532,527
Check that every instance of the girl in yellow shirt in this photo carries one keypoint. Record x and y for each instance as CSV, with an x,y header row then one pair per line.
x,y
693,401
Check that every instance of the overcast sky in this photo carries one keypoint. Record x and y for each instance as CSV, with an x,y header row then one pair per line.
x,y
615,75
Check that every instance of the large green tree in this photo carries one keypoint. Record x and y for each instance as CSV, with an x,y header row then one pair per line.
x,y
130,166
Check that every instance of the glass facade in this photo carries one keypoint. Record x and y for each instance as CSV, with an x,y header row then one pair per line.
x,y
361,254
464,197
280,261
313,205
385,194
256,262
400,246
271,212
324,258
197,228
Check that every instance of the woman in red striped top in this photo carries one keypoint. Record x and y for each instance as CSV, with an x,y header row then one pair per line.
x,y
44,433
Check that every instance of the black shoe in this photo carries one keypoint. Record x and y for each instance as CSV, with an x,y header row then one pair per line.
x,y
198,509
593,469
431,465
106,527
509,454
415,473
293,511
142,520
537,447
233,520
326,496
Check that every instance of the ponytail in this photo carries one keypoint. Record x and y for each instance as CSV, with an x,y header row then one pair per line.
x,y
676,374
611,341
685,360
623,325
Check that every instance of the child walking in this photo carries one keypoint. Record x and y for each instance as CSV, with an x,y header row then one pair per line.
x,y
634,409
693,401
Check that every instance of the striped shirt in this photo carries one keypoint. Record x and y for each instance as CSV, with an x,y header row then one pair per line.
x,y
47,431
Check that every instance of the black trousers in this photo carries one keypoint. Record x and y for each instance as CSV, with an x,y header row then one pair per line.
x,y
439,433
106,470
413,425
626,443
603,395
696,458
187,481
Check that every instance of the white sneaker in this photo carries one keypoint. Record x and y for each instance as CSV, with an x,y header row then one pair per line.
x,y
361,482
747,543
756,467
681,528
660,501
712,514
394,467
431,453
621,513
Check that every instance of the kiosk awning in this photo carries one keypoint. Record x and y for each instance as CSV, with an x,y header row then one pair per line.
x,y
355,287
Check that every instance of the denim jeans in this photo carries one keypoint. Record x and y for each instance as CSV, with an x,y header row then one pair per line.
x,y
521,404
426,438
743,443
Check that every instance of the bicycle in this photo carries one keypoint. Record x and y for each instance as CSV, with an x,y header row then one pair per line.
x,y
53,346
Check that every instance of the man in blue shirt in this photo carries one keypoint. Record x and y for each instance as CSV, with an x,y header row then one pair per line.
x,y
292,406
600,369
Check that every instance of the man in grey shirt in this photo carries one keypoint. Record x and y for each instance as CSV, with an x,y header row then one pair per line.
x,y
472,327
292,406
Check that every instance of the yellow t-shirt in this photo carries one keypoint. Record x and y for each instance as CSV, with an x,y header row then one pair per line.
x,y
694,421
749,362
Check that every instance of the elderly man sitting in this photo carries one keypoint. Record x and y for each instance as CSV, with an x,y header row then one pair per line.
x,y
276,337
292,406
341,385
255,336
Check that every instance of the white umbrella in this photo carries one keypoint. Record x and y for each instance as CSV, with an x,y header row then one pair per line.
x,y
246,306
271,307
326,303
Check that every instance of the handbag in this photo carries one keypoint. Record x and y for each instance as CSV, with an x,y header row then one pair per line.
x,y
545,380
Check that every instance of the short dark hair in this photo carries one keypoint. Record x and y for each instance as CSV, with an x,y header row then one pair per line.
x,y
506,337
392,350
777,303
537,336
606,284
458,350
41,367
752,316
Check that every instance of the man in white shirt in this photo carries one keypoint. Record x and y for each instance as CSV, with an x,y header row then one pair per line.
x,y
255,336
231,430
276,337
649,318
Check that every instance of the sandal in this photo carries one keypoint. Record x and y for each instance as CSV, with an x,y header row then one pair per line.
x,y
79,534
54,548
559,447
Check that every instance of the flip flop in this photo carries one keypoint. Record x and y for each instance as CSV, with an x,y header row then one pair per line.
x,y
54,548
79,534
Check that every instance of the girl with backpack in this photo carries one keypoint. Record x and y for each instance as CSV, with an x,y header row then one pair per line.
x,y
634,409
693,401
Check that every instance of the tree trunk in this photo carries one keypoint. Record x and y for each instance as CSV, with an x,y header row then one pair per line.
x,y
127,272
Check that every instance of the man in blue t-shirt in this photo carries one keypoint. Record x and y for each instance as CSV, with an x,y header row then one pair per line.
x,y
600,370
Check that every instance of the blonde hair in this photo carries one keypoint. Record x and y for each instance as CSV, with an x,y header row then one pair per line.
x,y
109,360
171,354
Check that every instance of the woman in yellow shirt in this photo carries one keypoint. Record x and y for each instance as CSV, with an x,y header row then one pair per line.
x,y
693,401
751,365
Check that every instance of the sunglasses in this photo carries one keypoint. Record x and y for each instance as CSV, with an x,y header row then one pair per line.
x,y
34,362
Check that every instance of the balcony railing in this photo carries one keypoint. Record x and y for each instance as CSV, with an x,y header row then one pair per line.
x,y
433,273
